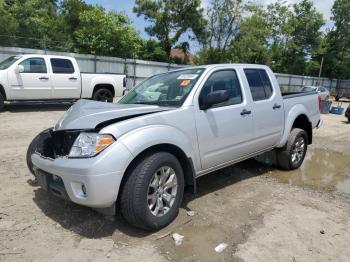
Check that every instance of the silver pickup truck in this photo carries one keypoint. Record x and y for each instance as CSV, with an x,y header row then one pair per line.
x,y
165,133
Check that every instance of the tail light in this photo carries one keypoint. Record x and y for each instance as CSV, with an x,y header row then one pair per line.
x,y
319,104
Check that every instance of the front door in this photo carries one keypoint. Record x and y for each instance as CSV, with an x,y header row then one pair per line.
x,y
224,131
33,83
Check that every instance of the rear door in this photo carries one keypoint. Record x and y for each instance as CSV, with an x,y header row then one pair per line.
x,y
66,79
33,83
267,112
225,130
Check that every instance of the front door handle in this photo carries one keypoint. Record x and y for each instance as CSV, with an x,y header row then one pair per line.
x,y
43,78
276,106
245,112
73,78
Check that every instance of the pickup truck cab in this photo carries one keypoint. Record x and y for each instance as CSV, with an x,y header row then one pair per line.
x,y
47,77
165,133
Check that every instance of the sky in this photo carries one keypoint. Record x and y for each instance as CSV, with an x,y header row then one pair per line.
x,y
323,6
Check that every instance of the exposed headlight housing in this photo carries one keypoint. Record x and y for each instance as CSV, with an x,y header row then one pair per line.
x,y
90,144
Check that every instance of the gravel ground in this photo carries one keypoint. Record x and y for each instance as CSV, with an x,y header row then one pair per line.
x,y
261,213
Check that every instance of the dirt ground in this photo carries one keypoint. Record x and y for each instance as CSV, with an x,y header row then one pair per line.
x,y
263,214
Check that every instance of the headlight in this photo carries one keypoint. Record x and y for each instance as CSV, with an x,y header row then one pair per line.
x,y
90,144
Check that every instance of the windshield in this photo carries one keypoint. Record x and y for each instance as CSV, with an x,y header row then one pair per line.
x,y
308,89
8,62
169,89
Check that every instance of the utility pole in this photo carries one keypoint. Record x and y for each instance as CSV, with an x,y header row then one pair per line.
x,y
320,72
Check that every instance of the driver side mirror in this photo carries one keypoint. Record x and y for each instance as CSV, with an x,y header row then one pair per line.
x,y
214,98
19,69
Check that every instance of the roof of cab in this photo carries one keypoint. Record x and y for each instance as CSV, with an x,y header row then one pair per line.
x,y
43,55
214,66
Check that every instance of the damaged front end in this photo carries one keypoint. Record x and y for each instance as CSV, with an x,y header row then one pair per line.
x,y
53,144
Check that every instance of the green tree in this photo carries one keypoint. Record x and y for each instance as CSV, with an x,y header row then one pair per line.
x,y
109,34
36,21
170,19
278,16
304,38
251,43
337,57
152,50
224,20
9,25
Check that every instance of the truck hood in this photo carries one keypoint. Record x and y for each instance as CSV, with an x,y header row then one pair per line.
x,y
86,114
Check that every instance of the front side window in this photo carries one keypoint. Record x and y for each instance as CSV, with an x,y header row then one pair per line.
x,y
8,62
168,89
259,83
223,80
62,66
34,65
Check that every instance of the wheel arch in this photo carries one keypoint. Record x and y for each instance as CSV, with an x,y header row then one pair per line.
x,y
297,117
303,122
110,87
185,162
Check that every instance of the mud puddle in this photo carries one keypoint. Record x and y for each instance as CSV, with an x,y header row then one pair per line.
x,y
322,169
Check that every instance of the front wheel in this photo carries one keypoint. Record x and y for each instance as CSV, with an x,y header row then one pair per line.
x,y
152,194
292,155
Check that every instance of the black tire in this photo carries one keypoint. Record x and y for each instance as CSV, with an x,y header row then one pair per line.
x,y
31,150
103,95
285,154
2,102
32,147
133,199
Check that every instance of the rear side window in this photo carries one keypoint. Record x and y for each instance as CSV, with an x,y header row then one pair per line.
x,y
62,66
259,83
34,65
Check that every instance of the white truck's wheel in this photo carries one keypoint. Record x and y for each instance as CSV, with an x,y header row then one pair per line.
x,y
103,95
292,155
152,194
2,102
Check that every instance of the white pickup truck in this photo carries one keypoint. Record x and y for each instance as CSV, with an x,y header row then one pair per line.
x,y
48,77
165,133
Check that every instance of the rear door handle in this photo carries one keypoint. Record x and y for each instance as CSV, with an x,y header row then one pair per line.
x,y
43,78
245,112
73,78
276,106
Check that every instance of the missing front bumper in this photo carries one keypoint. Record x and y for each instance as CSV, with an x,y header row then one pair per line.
x,y
52,184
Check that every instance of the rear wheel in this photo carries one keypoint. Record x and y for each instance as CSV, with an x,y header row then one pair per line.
x,y
292,155
103,95
2,102
152,194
